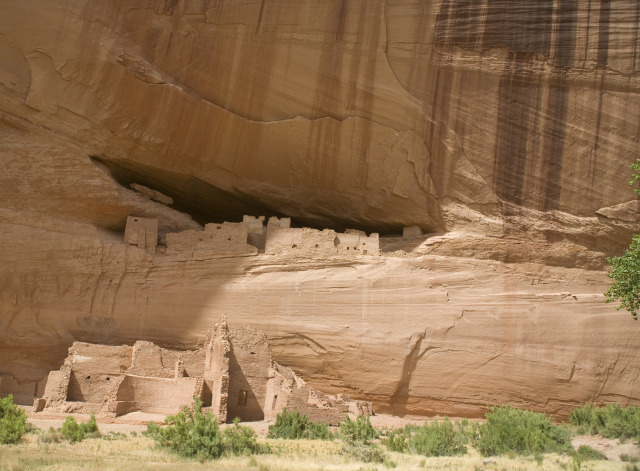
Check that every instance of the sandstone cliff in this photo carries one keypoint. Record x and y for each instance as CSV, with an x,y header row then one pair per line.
x,y
505,127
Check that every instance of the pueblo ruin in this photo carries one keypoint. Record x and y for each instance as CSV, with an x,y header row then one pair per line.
x,y
233,375
251,237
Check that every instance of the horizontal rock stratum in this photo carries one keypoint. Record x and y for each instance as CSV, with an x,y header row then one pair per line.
x,y
506,128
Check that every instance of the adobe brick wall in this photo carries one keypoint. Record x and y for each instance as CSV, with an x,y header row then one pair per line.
x,y
227,237
155,395
249,363
142,232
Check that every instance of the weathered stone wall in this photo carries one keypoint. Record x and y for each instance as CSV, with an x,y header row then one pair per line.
x,y
300,242
249,363
216,369
147,359
354,242
142,232
216,238
155,395
24,393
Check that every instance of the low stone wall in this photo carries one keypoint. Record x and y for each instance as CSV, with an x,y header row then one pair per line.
x,y
227,237
155,395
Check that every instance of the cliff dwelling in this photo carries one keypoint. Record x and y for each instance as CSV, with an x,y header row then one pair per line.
x,y
233,374
251,236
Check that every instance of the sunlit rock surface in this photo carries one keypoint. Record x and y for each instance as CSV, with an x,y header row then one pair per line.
x,y
507,128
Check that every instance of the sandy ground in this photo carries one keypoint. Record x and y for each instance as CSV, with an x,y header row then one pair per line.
x,y
611,448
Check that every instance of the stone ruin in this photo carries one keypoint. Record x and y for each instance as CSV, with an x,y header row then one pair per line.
x,y
142,232
233,374
251,236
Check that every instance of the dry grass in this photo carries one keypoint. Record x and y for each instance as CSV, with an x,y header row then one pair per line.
x,y
139,453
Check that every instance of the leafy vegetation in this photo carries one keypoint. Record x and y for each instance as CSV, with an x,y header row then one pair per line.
x,y
193,434
586,453
241,440
524,432
365,452
294,426
610,421
358,430
625,270
437,439
75,432
189,433
13,421
629,458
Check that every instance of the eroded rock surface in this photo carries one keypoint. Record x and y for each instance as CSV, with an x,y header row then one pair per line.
x,y
507,128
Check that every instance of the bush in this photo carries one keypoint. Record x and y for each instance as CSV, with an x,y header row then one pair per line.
x,y
436,439
358,430
586,453
360,451
241,440
629,458
610,421
50,436
295,426
189,433
75,432
524,432
13,421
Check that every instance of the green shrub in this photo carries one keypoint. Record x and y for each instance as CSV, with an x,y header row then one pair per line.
x,y
610,421
629,458
365,452
50,436
586,453
241,440
75,432
632,467
189,433
13,421
524,432
437,439
295,426
358,430
71,430
398,440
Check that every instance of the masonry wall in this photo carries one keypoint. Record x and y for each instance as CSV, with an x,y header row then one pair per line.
x,y
300,241
227,237
23,393
142,232
92,368
249,363
216,369
155,395
354,242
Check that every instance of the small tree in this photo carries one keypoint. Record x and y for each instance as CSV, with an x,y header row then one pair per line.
x,y
13,421
625,273
625,270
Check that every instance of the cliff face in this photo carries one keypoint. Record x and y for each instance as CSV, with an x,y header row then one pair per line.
x,y
507,126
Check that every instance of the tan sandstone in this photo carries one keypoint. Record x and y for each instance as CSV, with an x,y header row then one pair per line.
x,y
501,130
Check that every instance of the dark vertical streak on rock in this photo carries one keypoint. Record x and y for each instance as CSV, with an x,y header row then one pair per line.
x,y
636,27
518,97
565,26
260,16
557,106
588,28
603,32
554,132
596,144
